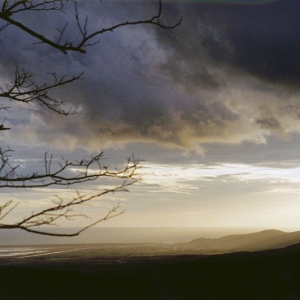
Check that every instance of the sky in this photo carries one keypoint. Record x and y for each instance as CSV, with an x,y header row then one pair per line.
x,y
211,108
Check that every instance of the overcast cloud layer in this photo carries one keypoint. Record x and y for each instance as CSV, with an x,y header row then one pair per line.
x,y
226,83
228,74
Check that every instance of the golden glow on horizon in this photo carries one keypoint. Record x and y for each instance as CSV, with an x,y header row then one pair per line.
x,y
159,173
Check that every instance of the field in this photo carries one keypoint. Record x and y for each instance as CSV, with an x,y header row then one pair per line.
x,y
148,271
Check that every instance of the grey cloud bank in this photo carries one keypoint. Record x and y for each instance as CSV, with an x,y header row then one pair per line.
x,y
225,83
228,74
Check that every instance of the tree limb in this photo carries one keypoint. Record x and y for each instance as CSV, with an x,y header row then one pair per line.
x,y
85,170
8,11
24,89
61,210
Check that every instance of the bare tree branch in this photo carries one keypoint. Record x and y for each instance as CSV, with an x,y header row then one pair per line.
x,y
8,11
60,210
24,89
29,5
85,170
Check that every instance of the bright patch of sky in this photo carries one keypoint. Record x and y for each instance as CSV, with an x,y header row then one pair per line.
x,y
159,173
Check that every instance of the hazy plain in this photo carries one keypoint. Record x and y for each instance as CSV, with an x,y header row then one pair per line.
x,y
184,270
126,235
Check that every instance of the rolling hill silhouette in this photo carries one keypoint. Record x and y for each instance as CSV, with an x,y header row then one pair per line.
x,y
262,265
263,240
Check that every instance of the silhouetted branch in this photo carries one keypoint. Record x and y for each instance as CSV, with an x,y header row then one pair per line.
x,y
9,9
85,170
24,89
21,5
60,210
2,127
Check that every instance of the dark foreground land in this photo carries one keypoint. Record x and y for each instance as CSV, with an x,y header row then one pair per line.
x,y
272,274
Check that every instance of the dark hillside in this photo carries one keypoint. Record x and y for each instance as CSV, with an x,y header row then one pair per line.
x,y
267,239
272,274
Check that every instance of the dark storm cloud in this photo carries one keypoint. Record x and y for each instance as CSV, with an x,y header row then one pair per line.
x,y
261,40
269,46
268,123
224,75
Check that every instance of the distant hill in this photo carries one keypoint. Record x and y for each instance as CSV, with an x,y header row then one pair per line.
x,y
263,240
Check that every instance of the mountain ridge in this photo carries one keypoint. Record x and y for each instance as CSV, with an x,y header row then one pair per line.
x,y
257,241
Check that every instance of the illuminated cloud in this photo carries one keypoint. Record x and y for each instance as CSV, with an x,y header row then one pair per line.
x,y
187,178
